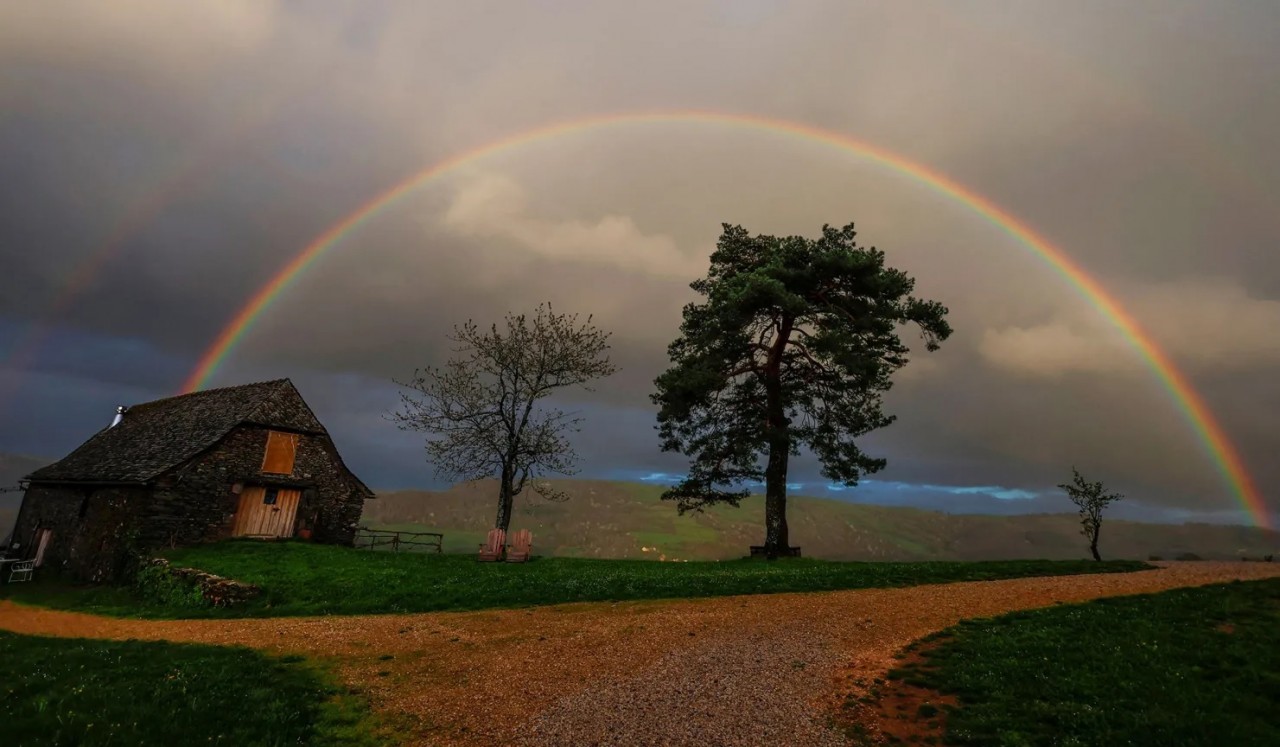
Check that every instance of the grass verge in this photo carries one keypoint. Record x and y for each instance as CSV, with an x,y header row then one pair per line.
x,y
1196,666
76,691
299,578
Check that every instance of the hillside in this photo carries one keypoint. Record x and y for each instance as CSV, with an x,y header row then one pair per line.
x,y
14,467
628,520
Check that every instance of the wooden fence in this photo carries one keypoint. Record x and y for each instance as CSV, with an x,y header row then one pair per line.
x,y
372,539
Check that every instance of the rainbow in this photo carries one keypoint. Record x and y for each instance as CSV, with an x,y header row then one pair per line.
x,y
179,177
22,354
1188,401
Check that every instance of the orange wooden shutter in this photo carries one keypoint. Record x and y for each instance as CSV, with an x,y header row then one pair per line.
x,y
281,448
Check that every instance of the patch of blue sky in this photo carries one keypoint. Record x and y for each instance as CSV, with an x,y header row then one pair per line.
x,y
996,491
667,478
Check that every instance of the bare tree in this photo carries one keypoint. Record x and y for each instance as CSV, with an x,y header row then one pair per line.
x,y
480,411
1091,499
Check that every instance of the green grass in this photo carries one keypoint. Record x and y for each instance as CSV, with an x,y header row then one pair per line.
x,y
682,538
1156,669
74,691
300,578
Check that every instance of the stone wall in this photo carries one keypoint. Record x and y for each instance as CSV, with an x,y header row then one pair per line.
x,y
195,503
56,508
108,535
214,589
92,528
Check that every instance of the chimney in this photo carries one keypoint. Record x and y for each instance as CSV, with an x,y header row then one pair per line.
x,y
119,416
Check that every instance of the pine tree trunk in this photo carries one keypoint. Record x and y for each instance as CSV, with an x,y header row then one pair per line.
x,y
776,538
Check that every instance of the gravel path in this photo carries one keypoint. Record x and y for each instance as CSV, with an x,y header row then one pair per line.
x,y
734,690
728,671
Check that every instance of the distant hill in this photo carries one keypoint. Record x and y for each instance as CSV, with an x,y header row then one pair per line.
x,y
14,467
628,520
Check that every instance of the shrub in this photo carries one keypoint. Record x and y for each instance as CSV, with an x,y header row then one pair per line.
x,y
1188,556
156,582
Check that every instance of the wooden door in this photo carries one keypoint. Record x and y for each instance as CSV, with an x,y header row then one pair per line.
x,y
42,544
266,512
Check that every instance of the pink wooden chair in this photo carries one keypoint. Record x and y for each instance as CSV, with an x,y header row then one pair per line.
x,y
521,546
491,550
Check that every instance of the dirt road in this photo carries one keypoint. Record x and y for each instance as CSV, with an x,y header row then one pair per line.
x,y
728,671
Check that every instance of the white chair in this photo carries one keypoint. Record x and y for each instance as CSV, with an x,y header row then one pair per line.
x,y
23,568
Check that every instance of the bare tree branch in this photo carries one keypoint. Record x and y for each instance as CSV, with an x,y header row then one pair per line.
x,y
480,410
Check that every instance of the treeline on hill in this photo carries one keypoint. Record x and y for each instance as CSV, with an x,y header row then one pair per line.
x,y
621,520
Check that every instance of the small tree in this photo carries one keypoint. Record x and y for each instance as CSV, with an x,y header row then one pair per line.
x,y
794,344
480,409
1090,498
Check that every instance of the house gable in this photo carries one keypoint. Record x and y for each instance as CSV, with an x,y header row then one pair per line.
x,y
286,412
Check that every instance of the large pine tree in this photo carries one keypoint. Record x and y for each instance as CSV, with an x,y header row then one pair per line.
x,y
793,344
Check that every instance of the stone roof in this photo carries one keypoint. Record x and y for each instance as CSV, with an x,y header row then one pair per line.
x,y
154,437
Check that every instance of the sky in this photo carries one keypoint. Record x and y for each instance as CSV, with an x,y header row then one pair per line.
x,y
161,161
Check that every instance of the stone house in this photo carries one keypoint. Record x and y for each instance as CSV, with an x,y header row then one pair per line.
x,y
241,461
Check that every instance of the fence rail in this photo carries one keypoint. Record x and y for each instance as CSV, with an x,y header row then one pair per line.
x,y
371,539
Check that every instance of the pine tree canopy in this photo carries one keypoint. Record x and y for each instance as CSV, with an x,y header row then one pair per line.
x,y
793,343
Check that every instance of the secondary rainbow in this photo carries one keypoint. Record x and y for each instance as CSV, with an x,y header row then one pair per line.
x,y
176,179
22,354
1189,402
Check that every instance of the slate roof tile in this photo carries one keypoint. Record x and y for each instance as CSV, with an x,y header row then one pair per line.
x,y
155,437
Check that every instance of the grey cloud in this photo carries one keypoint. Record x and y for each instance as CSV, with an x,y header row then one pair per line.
x,y
224,137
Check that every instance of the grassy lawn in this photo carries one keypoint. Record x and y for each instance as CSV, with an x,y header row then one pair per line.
x,y
1187,667
74,691
300,578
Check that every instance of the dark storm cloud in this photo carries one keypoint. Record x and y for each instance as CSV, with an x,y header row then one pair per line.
x,y
211,142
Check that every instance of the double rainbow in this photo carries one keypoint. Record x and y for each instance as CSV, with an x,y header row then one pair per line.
x,y
1188,401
